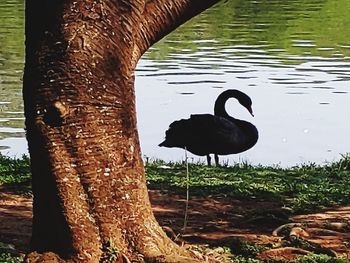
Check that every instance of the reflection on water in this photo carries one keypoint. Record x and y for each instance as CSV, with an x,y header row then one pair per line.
x,y
291,57
11,70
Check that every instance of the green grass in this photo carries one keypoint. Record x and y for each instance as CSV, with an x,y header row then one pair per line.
x,y
6,256
15,173
9,258
302,188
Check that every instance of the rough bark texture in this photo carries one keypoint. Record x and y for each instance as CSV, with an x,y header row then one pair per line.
x,y
90,195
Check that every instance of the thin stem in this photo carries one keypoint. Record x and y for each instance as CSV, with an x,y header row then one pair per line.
x,y
187,192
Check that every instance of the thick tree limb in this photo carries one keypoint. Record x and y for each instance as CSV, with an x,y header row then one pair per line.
x,y
160,18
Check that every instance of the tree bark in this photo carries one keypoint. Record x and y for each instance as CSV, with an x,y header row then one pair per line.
x,y
90,196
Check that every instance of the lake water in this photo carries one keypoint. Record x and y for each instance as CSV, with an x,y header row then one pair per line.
x,y
291,57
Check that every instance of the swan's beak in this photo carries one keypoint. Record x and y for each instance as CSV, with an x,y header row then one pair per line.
x,y
250,111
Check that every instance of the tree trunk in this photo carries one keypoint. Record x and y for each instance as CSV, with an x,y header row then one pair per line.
x,y
90,196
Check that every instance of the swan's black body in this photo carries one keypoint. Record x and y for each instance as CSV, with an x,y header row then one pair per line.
x,y
220,134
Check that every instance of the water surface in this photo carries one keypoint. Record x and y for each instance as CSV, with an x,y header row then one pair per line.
x,y
291,57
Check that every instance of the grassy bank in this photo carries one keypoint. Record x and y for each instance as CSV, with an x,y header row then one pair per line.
x,y
15,174
302,188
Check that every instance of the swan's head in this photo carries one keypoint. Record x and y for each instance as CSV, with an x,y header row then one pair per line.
x,y
245,101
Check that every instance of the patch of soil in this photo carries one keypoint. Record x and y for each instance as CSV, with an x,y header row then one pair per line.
x,y
15,220
218,221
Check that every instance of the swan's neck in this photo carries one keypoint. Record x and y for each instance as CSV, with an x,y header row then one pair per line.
x,y
219,108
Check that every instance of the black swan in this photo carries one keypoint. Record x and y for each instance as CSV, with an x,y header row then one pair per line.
x,y
220,134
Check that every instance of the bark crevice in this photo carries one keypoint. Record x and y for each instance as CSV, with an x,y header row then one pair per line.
x,y
56,114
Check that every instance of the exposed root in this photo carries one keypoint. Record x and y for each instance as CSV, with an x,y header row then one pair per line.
x,y
282,228
172,235
35,257
178,254
298,236
125,259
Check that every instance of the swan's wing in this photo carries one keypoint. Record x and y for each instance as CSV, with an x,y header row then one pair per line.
x,y
196,129
202,122
217,130
213,123
205,133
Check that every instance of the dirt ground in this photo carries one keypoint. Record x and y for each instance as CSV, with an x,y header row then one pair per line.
x,y
218,221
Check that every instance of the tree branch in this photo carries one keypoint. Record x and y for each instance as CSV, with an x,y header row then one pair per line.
x,y
160,17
